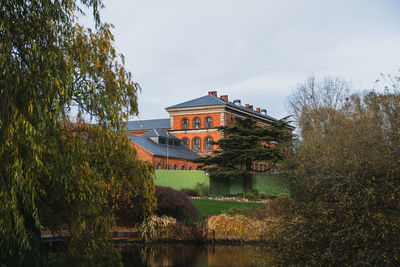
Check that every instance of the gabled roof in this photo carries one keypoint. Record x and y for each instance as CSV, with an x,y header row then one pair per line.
x,y
209,100
148,124
180,152
155,133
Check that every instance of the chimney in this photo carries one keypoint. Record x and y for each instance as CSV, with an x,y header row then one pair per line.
x,y
224,97
258,110
251,107
264,111
213,93
247,105
236,102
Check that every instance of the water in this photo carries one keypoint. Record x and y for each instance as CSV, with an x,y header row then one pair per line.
x,y
191,255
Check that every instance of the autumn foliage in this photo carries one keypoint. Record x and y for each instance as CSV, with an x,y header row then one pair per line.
x,y
52,176
345,174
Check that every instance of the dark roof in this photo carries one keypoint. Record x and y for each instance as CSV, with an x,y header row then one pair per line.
x,y
155,132
209,100
148,124
180,152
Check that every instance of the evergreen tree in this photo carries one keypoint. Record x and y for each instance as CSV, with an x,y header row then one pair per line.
x,y
244,144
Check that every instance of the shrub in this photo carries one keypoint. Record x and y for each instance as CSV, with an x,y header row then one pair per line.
x,y
237,227
174,203
156,228
202,190
280,206
345,172
258,213
189,192
252,195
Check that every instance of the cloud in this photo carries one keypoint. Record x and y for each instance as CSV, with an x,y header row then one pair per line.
x,y
255,50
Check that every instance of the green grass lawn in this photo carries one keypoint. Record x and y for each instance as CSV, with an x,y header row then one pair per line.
x,y
214,207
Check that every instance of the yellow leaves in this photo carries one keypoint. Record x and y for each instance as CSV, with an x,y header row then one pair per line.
x,y
30,108
57,82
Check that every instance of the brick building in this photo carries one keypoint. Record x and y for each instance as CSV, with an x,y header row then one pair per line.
x,y
163,150
193,124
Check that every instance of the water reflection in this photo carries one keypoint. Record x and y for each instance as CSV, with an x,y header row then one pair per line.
x,y
194,255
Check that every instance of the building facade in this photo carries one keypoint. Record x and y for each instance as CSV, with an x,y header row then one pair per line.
x,y
196,121
194,124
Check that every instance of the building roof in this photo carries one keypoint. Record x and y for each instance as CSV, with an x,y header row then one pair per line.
x,y
148,124
155,133
180,152
209,100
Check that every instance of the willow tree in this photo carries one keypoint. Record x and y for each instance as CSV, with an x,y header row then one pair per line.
x,y
48,64
244,144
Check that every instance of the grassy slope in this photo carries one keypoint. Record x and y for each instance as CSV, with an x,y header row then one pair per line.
x,y
214,207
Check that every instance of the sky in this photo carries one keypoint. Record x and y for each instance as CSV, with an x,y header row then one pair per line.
x,y
253,50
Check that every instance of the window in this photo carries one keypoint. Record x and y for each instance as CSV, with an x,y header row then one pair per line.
x,y
209,144
198,169
175,167
158,166
196,123
231,121
196,144
183,168
208,122
185,142
185,124
190,168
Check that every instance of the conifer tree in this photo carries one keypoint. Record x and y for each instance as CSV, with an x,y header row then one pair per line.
x,y
245,143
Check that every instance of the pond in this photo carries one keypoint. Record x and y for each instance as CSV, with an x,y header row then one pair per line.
x,y
186,255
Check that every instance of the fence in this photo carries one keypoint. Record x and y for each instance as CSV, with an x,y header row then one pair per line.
x,y
272,185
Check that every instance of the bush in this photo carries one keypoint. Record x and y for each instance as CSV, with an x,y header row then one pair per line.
x,y
252,195
237,227
345,172
174,204
189,192
202,190
258,213
156,228
280,206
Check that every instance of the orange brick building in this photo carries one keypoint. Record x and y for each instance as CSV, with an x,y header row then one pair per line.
x,y
196,121
194,125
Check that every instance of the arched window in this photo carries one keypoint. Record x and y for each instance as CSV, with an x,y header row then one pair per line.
x,y
175,167
196,123
158,166
183,168
209,141
208,122
185,123
198,169
190,168
196,144
185,142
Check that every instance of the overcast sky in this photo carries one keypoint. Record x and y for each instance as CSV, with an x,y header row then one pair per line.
x,y
253,50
